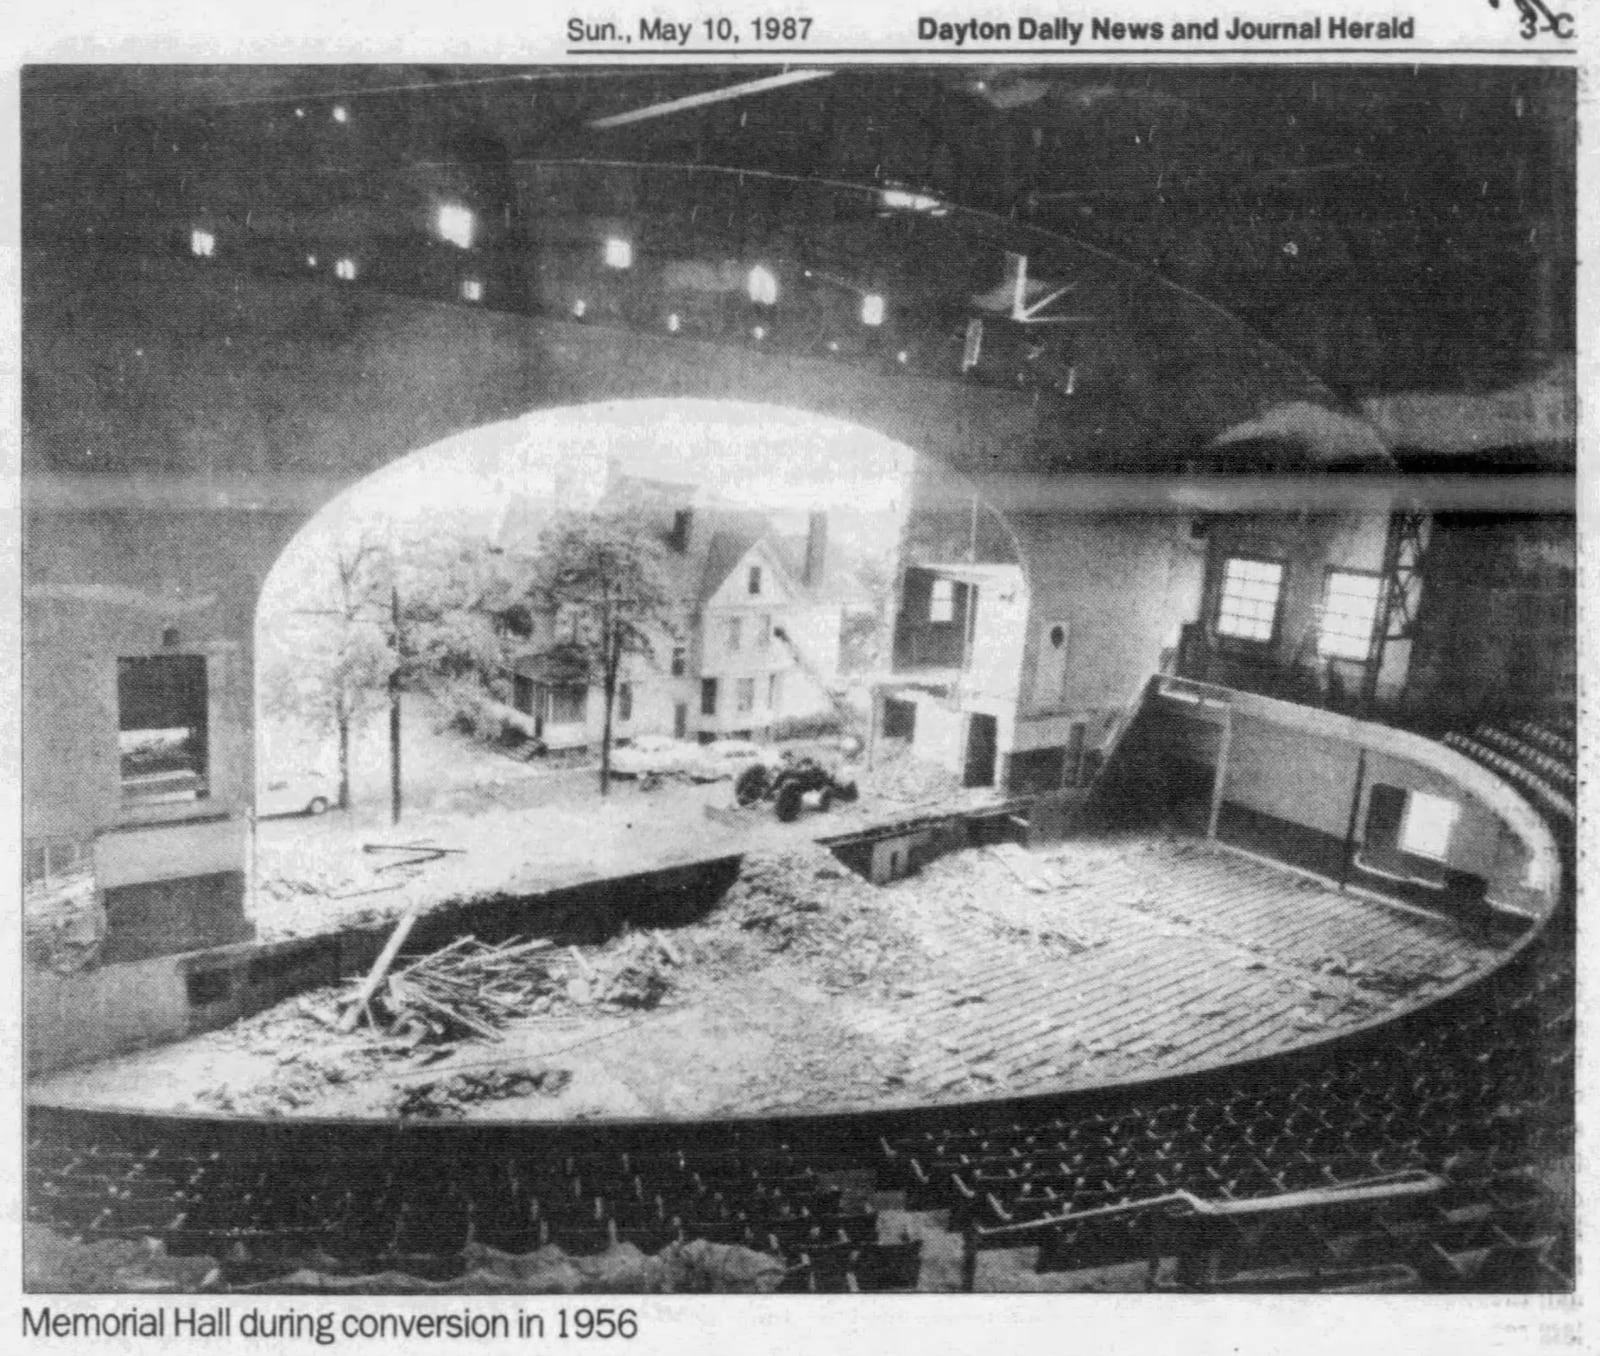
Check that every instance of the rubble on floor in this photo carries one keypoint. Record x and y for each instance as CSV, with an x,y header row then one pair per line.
x,y
64,923
445,1097
897,774
802,904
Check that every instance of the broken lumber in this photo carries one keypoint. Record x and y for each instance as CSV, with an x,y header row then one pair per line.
x,y
380,967
404,993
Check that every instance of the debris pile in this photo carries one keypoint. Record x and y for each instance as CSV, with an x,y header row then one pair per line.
x,y
441,1097
898,775
464,989
800,903
64,923
470,988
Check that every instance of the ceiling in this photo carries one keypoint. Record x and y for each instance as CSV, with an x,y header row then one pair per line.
x,y
1395,229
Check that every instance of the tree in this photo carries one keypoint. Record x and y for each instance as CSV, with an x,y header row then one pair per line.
x,y
437,620
601,578
339,662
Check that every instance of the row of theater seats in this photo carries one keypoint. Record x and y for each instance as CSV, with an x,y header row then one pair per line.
x,y
1537,760
392,1210
1473,1109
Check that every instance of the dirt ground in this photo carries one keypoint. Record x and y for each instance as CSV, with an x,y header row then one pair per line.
x,y
533,832
477,821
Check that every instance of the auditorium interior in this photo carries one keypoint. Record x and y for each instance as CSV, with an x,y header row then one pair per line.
x,y
1236,603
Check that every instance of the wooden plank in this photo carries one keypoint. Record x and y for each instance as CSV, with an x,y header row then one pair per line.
x,y
380,967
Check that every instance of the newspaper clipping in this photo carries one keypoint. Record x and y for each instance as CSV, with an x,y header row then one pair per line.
x,y
755,678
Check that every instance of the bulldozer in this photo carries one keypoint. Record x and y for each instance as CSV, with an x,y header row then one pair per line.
x,y
788,786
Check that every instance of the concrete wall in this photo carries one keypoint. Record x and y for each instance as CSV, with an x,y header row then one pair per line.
x,y
1300,767
1122,586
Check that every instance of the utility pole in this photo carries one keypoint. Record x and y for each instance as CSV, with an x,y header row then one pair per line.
x,y
394,705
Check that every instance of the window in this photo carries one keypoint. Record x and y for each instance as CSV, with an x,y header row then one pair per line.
x,y
735,633
753,584
745,695
625,701
942,601
1248,606
774,691
764,631
708,696
1426,827
569,704
162,727
1408,832
1349,613
680,661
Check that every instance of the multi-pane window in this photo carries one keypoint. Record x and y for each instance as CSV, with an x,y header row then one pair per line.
x,y
624,701
763,630
942,601
680,661
745,695
753,581
1247,608
708,696
1349,612
735,633
162,727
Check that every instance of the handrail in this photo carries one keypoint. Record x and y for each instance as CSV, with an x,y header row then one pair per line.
x,y
1407,1183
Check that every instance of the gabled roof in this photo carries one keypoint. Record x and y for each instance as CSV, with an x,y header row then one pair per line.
x,y
724,554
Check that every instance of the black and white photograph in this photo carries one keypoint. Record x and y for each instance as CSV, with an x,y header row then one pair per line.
x,y
799,679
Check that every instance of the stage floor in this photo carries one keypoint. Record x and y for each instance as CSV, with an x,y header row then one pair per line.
x,y
994,972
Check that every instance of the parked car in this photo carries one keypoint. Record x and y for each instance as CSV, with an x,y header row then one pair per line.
x,y
653,755
303,791
729,757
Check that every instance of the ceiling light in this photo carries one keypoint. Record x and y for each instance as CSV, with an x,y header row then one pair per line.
x,y
619,253
905,200
763,286
456,224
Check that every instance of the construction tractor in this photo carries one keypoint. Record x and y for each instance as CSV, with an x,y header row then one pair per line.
x,y
788,786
